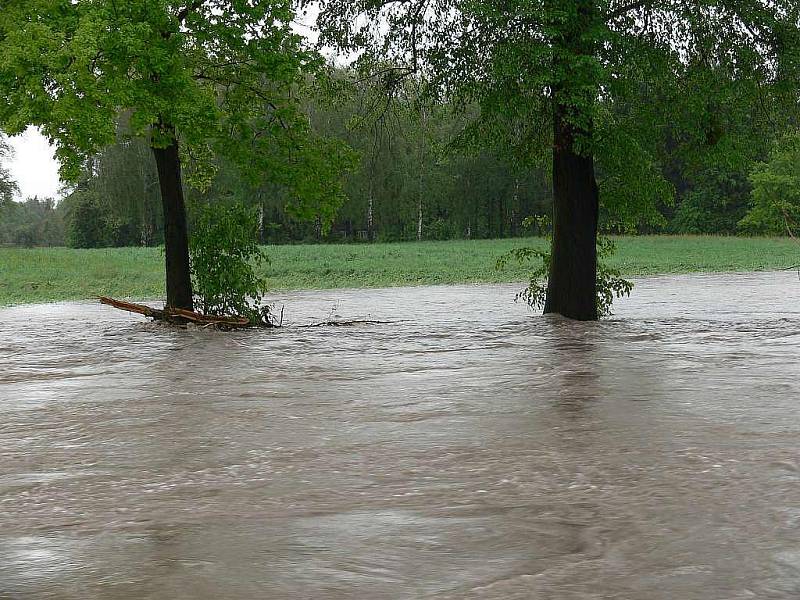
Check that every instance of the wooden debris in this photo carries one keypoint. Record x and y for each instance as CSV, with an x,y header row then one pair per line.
x,y
348,323
175,315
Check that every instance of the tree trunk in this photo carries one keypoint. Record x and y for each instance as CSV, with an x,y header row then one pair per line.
x,y
176,236
572,282
514,205
370,215
422,169
261,229
419,220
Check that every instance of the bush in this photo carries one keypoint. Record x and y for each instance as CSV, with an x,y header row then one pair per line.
x,y
224,258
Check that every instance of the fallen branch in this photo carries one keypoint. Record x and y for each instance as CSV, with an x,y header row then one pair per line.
x,y
178,316
347,323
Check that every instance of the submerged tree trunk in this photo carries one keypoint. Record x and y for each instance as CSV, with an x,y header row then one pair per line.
x,y
176,236
572,281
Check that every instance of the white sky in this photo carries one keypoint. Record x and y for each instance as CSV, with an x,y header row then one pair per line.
x,y
33,165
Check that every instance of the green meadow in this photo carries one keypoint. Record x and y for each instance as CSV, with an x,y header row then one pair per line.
x,y
53,274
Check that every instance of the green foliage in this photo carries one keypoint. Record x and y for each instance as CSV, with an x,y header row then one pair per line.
x,y
610,283
632,184
224,78
650,85
776,190
715,204
33,222
225,258
536,292
648,183
89,224
124,179
8,187
117,201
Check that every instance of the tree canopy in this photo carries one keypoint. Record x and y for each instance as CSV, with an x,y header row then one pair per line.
x,y
224,75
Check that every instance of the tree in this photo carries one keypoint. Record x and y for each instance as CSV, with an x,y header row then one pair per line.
x,y
122,183
567,77
776,191
476,193
90,223
194,78
8,187
34,222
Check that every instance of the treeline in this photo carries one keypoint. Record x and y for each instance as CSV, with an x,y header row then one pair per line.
x,y
418,178
34,222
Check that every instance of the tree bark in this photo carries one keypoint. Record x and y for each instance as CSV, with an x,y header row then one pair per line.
x,y
176,235
572,281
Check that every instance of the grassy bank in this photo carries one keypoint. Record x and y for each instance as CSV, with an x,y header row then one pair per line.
x,y
49,274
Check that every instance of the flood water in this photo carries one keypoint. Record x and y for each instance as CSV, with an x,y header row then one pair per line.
x,y
468,450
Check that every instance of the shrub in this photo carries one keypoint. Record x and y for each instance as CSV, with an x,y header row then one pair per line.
x,y
225,257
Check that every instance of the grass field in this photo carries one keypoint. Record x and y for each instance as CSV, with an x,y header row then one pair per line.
x,y
51,274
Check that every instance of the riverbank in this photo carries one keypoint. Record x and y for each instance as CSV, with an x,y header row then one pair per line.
x,y
54,274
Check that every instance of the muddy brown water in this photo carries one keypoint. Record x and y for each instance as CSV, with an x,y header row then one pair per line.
x,y
472,450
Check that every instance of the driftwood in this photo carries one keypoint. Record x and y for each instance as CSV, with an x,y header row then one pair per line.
x,y
348,323
175,315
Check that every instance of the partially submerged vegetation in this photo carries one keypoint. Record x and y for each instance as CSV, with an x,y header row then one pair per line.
x,y
54,274
227,274
227,265
610,283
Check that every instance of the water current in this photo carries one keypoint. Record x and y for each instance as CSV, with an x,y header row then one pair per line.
x,y
466,449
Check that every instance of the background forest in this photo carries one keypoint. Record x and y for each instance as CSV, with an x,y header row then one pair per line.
x,y
419,178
